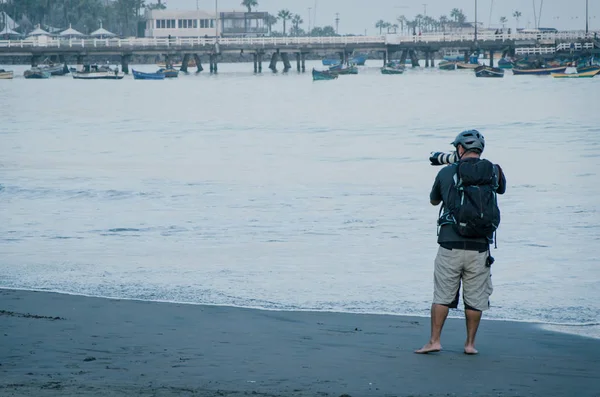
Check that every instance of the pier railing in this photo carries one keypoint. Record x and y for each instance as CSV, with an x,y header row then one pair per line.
x,y
390,39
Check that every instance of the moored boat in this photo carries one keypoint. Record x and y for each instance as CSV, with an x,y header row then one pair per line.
x,y
488,71
95,72
359,60
391,70
147,76
505,63
55,70
590,68
573,73
463,65
539,71
447,65
323,75
330,62
339,69
36,73
169,73
6,74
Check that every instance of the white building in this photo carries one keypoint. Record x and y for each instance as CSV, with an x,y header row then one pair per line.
x,y
165,23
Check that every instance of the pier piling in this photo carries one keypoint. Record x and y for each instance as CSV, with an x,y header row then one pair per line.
x,y
260,55
414,59
492,58
303,59
385,54
298,61
125,63
184,63
273,63
403,57
198,61
286,62
255,61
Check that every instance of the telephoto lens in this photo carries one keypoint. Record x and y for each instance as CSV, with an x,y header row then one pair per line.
x,y
441,158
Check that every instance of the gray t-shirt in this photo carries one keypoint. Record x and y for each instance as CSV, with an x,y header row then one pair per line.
x,y
444,182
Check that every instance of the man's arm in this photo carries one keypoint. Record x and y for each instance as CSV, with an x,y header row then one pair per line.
x,y
435,197
501,181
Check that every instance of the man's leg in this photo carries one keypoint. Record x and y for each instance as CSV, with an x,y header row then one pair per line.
x,y
446,280
438,317
473,318
477,288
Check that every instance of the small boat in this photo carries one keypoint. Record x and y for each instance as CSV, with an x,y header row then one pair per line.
x,y
95,72
147,76
447,65
359,60
463,65
539,71
488,71
36,73
585,69
573,73
339,69
391,70
169,73
6,74
55,70
331,62
505,63
454,58
323,75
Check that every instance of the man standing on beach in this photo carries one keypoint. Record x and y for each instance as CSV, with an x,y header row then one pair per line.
x,y
467,224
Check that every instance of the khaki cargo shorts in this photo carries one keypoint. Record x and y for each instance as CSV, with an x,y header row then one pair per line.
x,y
452,266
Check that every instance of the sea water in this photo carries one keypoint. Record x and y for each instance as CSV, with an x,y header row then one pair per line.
x,y
277,192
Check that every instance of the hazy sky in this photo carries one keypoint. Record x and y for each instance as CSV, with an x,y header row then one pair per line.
x,y
358,15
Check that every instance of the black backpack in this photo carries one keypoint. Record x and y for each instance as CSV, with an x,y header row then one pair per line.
x,y
473,207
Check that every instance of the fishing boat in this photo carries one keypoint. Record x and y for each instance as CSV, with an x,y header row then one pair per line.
x,y
330,62
36,73
6,74
191,64
463,65
53,68
323,75
147,76
539,71
339,69
391,70
169,73
573,73
488,71
95,72
359,60
447,65
590,68
505,63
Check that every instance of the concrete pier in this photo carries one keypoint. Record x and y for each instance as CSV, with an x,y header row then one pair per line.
x,y
303,61
184,63
298,62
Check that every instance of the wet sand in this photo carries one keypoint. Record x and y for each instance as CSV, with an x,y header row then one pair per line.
x,y
63,345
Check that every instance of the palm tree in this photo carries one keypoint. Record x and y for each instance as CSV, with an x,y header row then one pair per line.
x,y
395,27
380,24
249,4
271,20
517,15
443,22
296,21
284,15
503,21
454,14
401,20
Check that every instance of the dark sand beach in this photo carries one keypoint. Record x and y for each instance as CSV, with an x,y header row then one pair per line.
x,y
63,345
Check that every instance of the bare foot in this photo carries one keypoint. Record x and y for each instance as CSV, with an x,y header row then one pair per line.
x,y
470,350
429,348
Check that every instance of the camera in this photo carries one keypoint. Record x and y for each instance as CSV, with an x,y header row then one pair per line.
x,y
442,158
